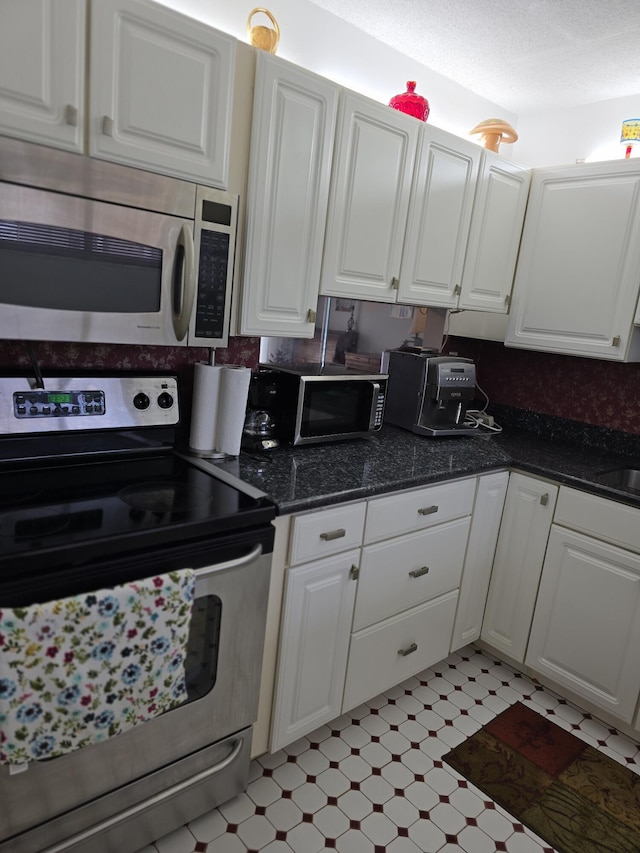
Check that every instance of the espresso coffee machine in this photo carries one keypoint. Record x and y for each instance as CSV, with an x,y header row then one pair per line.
x,y
429,393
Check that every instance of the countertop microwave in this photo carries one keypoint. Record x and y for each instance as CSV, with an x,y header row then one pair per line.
x,y
97,252
316,403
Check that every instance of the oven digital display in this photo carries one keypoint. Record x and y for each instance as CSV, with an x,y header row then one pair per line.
x,y
59,398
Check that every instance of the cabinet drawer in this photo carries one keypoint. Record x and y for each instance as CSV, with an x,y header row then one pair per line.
x,y
414,510
375,659
403,572
328,531
605,519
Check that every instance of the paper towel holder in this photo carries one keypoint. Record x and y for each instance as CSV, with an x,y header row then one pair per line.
x,y
218,409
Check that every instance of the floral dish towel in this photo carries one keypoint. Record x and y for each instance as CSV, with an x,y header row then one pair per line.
x,y
79,670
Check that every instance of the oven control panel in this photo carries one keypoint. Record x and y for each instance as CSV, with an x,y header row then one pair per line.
x,y
55,404
96,403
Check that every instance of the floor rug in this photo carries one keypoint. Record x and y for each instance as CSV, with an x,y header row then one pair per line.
x,y
574,797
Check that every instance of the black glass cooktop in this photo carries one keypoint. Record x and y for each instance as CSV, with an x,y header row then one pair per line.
x,y
116,506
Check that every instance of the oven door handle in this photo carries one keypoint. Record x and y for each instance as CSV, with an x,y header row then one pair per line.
x,y
211,571
150,802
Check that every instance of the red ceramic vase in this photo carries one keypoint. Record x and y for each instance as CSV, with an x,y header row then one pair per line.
x,y
411,103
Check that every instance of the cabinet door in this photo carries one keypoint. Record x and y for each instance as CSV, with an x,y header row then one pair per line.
x,y
494,237
291,148
161,91
42,49
314,643
576,284
439,219
370,186
476,572
586,630
517,566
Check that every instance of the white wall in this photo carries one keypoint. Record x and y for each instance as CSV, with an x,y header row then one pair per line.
x,y
590,132
324,43
318,40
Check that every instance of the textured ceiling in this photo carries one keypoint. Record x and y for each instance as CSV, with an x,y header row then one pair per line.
x,y
525,55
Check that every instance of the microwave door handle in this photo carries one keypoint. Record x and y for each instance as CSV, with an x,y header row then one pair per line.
x,y
184,285
374,404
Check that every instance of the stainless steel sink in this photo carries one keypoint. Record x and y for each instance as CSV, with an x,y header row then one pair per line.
x,y
622,478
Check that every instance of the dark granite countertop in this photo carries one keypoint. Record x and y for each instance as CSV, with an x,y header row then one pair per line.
x,y
321,475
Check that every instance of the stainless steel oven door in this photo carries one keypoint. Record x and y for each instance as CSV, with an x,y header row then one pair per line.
x,y
96,798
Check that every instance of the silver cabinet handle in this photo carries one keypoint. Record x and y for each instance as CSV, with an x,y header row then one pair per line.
x,y
354,572
107,125
417,573
428,510
409,650
333,534
544,500
71,115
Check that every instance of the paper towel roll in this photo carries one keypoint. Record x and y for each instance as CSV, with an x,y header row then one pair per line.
x,y
205,407
232,407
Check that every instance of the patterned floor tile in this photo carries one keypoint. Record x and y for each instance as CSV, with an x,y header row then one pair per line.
x,y
373,779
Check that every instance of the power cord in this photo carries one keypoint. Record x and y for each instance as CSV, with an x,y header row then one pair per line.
x,y
478,418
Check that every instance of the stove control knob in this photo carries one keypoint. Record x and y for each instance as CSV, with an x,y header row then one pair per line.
x,y
141,401
165,400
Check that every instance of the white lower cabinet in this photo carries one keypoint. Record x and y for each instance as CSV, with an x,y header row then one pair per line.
x,y
586,629
476,573
343,642
395,649
520,551
314,643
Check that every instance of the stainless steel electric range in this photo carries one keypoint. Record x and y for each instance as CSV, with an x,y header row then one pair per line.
x,y
93,494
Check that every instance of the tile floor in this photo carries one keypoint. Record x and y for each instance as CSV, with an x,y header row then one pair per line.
x,y
373,780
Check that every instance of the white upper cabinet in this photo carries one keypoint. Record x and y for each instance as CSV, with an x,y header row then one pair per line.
x,y
42,51
161,84
439,218
292,137
161,91
576,285
494,236
370,187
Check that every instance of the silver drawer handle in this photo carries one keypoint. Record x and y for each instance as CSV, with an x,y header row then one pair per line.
x,y
544,500
428,510
409,650
417,573
333,534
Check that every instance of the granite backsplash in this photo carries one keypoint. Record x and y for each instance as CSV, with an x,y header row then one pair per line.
x,y
582,390
544,392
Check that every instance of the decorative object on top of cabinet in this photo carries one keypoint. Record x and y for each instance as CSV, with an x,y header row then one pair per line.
x,y
161,87
294,116
411,103
263,37
576,284
493,131
42,66
630,134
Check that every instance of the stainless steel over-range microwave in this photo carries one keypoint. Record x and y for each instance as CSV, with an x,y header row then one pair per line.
x,y
97,252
